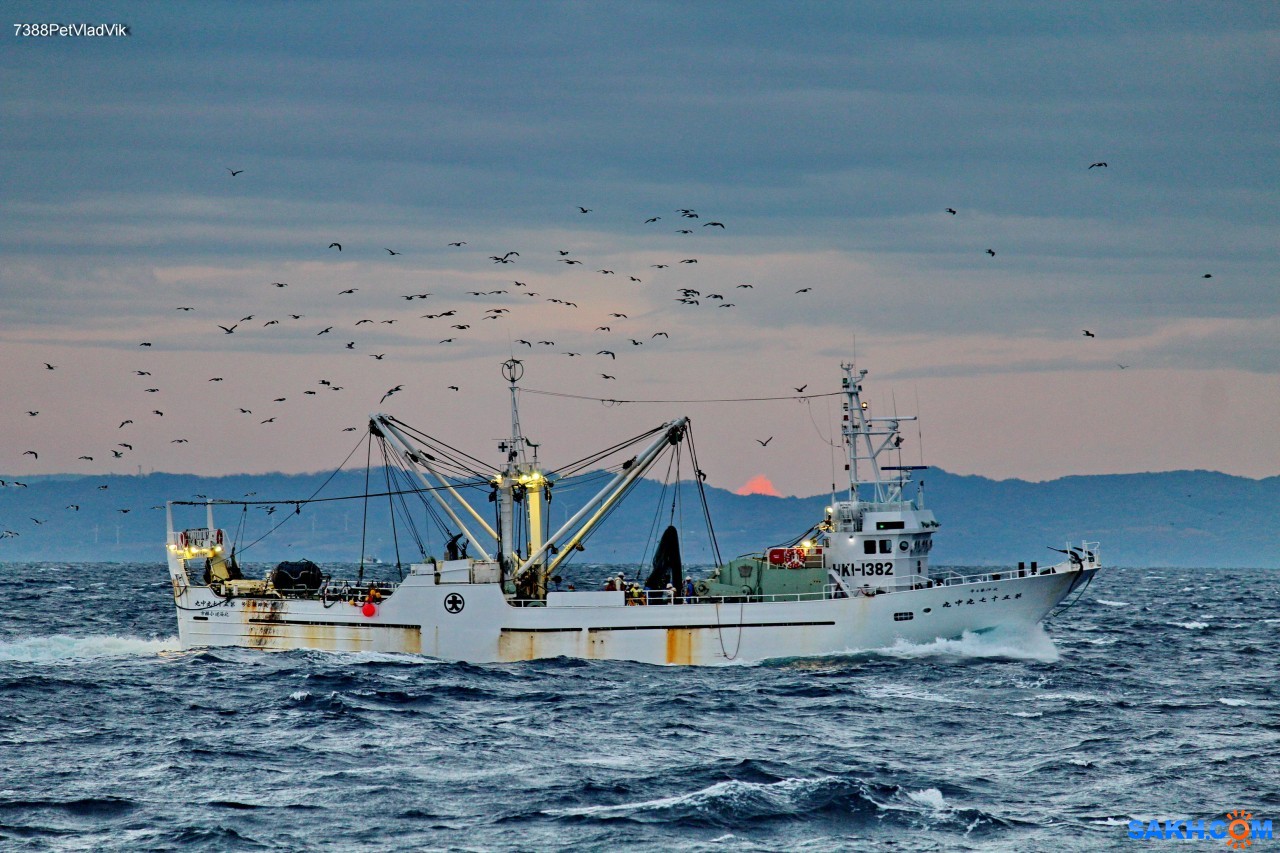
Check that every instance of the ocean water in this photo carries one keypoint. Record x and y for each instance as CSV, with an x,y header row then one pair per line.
x,y
1154,697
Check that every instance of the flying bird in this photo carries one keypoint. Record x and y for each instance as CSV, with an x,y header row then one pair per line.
x,y
48,366
991,252
607,376
459,243
454,388
234,172
1096,165
325,331
652,219
659,266
689,261
31,453
716,224
765,443
526,343
746,285
390,392
349,290
619,316
390,252
377,355
184,308
33,414
122,423
657,334
804,290
951,210
337,246
268,421
1207,275
145,344
609,353
1088,334
585,209
568,261
800,390
229,330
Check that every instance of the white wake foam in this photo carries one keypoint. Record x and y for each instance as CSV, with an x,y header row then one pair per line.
x,y
1021,644
60,647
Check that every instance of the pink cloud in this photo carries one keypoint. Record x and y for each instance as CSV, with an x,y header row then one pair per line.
x,y
759,485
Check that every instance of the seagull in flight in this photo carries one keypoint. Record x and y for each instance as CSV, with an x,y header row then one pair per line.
x,y
804,290
800,390
991,252
1088,334
951,210
1096,165
459,243
390,392
585,209
234,172
393,253
229,330
337,246
48,366
609,353
765,443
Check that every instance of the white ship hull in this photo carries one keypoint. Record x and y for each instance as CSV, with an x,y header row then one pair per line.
x,y
478,624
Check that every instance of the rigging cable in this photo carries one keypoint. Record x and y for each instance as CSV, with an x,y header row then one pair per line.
x,y
702,494
364,521
612,401
298,504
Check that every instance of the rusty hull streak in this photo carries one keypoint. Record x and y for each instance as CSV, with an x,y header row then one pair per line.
x,y
261,617
680,645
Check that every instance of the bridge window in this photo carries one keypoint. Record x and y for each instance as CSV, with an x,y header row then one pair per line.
x,y
886,546
904,617
868,546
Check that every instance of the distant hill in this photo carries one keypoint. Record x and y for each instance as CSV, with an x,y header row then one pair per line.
x,y
1178,518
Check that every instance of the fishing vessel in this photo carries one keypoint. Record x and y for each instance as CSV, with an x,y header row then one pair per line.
x,y
858,579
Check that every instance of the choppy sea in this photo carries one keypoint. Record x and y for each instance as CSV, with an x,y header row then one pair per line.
x,y
1155,697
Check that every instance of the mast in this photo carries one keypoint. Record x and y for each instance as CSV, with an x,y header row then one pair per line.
x,y
865,438
521,481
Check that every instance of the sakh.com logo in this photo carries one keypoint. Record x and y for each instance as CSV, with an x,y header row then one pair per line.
x,y
1239,829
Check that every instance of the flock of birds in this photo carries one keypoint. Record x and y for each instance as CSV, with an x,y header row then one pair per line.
x,y
456,317
464,314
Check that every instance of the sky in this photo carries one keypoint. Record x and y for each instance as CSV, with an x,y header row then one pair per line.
x,y
828,140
